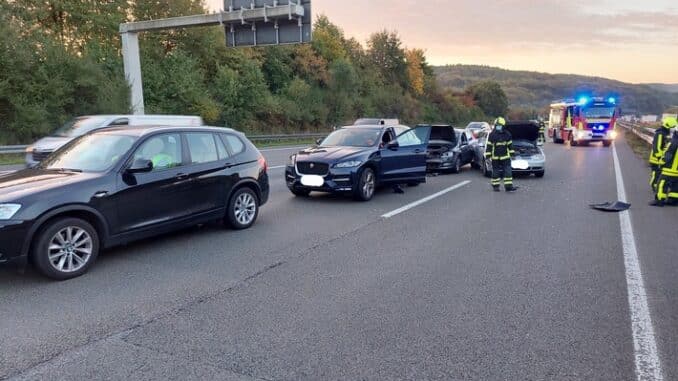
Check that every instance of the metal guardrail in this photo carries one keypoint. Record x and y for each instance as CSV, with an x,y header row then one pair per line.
x,y
287,137
642,132
12,149
22,148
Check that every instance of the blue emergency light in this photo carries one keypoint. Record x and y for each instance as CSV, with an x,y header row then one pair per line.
x,y
612,100
583,100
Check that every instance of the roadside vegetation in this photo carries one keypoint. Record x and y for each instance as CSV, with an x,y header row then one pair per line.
x,y
11,158
638,145
63,58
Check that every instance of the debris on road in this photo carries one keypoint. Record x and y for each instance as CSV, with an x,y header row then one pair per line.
x,y
616,206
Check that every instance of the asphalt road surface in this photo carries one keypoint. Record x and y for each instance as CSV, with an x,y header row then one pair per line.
x,y
469,285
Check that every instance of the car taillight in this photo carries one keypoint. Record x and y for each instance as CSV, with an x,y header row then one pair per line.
x,y
262,163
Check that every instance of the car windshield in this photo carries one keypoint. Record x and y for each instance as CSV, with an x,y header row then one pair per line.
x,y
475,126
79,126
90,153
599,112
353,137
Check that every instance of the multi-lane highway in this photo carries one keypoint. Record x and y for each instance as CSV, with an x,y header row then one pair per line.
x,y
469,284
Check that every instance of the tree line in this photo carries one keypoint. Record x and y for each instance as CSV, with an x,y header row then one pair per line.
x,y
60,59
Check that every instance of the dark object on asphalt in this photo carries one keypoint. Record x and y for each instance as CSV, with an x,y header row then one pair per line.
x,y
616,206
398,189
118,185
357,160
511,189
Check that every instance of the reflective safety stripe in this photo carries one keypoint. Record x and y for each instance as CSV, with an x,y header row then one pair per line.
x,y
661,195
669,172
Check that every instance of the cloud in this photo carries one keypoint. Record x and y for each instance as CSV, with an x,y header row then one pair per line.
x,y
519,31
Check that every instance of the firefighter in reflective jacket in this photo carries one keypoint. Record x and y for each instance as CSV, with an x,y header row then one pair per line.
x,y
667,189
499,149
659,145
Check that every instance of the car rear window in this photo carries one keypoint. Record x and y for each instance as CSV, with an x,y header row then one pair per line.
x,y
237,146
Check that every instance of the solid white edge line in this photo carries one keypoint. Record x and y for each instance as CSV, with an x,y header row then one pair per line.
x,y
425,199
648,365
277,167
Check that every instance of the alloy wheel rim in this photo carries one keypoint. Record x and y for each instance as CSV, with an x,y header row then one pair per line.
x,y
70,249
245,208
368,185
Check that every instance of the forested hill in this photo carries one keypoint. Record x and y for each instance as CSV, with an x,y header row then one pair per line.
x,y
532,90
60,59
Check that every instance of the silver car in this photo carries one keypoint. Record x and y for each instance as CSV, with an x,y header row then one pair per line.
x,y
79,126
529,155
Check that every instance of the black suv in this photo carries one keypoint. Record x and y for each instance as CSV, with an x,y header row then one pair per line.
x,y
118,185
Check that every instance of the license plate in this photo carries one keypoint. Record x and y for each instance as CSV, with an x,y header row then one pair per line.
x,y
520,164
312,180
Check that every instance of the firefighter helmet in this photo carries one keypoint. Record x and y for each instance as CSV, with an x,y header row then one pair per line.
x,y
670,122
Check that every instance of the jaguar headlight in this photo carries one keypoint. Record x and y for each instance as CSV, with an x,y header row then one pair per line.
x,y
8,211
292,160
348,164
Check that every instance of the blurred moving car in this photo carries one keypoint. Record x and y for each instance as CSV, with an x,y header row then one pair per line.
x,y
84,124
117,185
448,149
376,122
358,159
529,156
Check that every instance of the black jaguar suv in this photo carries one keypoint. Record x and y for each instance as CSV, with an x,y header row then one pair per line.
x,y
358,159
117,185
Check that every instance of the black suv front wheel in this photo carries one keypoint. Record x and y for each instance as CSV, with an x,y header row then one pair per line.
x,y
65,248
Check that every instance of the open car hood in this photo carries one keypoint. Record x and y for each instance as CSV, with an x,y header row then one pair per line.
x,y
523,130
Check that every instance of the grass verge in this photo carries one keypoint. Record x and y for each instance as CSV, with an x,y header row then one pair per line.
x,y
11,158
638,145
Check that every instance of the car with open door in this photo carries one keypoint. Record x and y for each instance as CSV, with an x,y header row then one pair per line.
x,y
357,160
448,149
121,184
529,155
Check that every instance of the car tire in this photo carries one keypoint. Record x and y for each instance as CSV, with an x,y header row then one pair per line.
x,y
475,165
300,192
367,184
65,248
539,174
607,143
456,168
573,142
243,209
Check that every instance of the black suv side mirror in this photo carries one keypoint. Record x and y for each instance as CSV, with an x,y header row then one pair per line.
x,y
393,145
140,166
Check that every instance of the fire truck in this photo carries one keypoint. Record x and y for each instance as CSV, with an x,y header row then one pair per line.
x,y
584,120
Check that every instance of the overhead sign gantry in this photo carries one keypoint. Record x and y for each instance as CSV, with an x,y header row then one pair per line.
x,y
246,23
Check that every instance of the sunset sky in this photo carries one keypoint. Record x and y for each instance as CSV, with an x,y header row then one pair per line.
x,y
630,40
